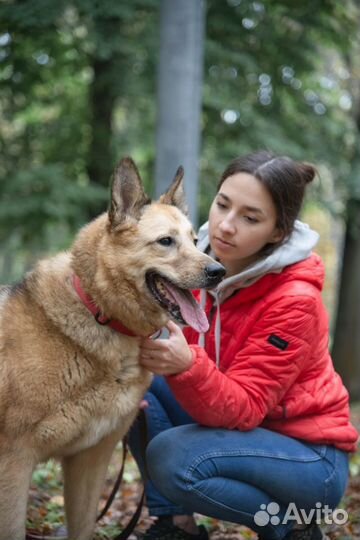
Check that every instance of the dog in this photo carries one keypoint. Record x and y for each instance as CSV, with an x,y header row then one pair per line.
x,y
70,380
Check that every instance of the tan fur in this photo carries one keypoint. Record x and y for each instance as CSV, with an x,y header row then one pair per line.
x,y
69,387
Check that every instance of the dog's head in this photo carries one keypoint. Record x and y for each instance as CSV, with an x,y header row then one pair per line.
x,y
146,260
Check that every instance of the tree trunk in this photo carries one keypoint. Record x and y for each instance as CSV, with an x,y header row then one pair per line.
x,y
107,63
101,102
179,95
346,347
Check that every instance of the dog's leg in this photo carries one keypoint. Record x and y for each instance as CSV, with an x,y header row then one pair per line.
x,y
84,476
15,476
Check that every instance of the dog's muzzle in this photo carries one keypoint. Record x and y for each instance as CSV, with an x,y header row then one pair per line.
x,y
178,301
214,274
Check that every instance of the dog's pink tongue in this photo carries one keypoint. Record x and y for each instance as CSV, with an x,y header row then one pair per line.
x,y
191,312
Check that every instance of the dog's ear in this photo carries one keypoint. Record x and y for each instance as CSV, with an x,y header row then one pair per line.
x,y
175,195
127,193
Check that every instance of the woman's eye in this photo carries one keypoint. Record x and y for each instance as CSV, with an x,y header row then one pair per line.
x,y
250,219
220,205
166,241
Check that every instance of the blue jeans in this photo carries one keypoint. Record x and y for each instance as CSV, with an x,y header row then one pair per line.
x,y
233,475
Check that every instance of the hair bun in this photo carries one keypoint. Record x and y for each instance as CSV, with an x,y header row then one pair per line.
x,y
307,172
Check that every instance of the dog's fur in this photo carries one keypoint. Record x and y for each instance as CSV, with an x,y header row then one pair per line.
x,y
70,387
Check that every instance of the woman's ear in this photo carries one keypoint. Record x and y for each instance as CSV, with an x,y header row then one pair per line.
x,y
277,236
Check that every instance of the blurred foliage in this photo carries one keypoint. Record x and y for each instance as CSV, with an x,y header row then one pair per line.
x,y
277,77
78,91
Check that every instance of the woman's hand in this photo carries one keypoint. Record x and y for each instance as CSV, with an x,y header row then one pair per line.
x,y
166,356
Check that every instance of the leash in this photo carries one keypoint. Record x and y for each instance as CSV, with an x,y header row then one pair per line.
x,y
141,419
129,528
117,483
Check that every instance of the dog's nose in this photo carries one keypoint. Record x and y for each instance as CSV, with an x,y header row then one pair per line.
x,y
215,271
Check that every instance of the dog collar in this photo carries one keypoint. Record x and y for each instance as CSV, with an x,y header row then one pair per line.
x,y
94,309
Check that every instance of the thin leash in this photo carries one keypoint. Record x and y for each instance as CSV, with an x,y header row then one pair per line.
x,y
141,419
129,528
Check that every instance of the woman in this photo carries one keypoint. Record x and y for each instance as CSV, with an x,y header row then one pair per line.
x,y
250,423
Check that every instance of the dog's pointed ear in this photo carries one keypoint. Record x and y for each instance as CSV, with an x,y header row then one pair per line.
x,y
127,193
175,195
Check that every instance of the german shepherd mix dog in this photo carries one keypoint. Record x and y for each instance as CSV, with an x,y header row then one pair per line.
x,y
70,382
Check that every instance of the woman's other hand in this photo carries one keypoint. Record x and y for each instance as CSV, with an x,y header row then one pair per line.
x,y
166,356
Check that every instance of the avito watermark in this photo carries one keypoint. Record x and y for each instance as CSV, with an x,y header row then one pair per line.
x,y
320,514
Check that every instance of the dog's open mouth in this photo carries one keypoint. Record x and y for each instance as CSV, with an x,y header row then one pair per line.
x,y
179,303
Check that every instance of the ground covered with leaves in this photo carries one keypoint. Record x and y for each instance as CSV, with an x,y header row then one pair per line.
x,y
46,515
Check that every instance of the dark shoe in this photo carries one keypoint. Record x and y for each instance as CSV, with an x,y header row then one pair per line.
x,y
164,529
311,532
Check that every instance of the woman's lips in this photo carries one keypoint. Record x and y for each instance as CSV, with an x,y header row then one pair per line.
x,y
222,242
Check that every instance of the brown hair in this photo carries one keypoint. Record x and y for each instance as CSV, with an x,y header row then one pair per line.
x,y
285,180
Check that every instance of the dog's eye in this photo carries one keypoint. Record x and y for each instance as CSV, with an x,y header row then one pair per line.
x,y
166,241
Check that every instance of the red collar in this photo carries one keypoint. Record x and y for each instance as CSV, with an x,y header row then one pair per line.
x,y
93,308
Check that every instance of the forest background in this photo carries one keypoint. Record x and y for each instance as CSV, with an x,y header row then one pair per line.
x,y
78,90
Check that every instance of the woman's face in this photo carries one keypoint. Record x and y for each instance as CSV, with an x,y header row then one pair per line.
x,y
242,221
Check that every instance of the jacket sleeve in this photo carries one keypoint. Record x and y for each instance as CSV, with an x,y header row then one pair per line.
x,y
260,374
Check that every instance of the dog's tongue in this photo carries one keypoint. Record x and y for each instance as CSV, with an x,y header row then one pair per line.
x,y
191,312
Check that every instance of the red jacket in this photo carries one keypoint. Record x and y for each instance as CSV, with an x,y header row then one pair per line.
x,y
275,369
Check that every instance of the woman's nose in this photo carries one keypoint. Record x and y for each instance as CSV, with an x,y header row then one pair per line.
x,y
227,225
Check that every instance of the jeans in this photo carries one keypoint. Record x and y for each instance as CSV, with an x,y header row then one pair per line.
x,y
233,475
